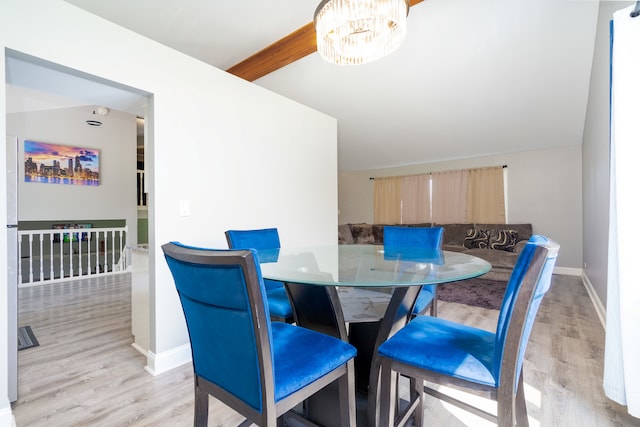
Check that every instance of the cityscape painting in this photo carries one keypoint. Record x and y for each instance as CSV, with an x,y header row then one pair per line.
x,y
61,164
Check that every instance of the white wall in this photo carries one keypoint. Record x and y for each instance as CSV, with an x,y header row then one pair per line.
x,y
240,155
114,198
544,189
596,157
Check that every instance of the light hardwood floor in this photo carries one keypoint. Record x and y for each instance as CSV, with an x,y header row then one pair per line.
x,y
85,372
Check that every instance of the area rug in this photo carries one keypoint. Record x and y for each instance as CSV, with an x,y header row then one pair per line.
x,y
26,338
476,292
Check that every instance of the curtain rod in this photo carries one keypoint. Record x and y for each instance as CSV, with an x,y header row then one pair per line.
x,y
425,173
636,10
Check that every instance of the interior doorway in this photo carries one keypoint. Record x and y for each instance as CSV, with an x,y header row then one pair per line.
x,y
33,84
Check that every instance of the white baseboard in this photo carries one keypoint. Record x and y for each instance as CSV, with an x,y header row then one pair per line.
x,y
567,271
142,350
6,417
593,295
168,360
595,299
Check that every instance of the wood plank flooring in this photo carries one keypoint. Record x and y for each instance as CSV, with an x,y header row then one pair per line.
x,y
85,372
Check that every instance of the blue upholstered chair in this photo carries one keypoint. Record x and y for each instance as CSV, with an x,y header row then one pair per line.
x,y
420,238
265,238
260,368
475,360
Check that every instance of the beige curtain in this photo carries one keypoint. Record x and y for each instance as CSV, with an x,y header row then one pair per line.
x,y
485,195
449,197
415,199
387,194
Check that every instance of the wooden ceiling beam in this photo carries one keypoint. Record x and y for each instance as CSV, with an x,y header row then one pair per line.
x,y
283,52
288,49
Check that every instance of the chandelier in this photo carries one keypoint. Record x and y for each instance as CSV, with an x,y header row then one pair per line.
x,y
352,32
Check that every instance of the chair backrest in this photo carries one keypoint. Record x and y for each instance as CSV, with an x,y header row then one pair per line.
x,y
413,237
223,300
259,239
529,281
264,238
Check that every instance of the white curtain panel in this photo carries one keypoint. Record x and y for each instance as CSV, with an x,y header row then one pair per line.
x,y
622,349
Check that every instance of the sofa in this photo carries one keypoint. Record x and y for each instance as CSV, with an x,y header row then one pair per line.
x,y
499,244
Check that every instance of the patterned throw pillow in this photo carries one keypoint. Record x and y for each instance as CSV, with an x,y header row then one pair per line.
x,y
476,239
362,233
503,239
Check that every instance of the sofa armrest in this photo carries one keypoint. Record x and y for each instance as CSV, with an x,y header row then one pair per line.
x,y
344,234
519,246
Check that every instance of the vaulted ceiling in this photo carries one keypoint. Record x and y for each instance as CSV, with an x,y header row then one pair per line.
x,y
472,77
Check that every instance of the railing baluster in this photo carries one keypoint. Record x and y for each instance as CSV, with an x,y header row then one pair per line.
x,y
31,257
89,235
104,251
41,241
113,252
123,259
70,254
61,256
51,272
100,254
79,254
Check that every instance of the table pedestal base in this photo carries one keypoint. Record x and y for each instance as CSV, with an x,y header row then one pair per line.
x,y
318,308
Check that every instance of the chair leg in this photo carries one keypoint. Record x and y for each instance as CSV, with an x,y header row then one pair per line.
x,y
347,390
506,409
201,410
387,397
521,405
417,393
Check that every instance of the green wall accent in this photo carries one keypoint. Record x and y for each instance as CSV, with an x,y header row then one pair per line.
x,y
143,230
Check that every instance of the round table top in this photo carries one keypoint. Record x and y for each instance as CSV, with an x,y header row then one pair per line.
x,y
368,266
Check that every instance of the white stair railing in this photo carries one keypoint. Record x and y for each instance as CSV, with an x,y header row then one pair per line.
x,y
66,254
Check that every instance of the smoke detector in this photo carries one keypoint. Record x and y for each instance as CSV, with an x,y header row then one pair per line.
x,y
103,111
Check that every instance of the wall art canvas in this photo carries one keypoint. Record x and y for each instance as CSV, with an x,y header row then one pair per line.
x,y
61,164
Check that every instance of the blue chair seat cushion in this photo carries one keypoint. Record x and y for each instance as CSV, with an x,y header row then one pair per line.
x,y
278,303
424,299
445,347
301,356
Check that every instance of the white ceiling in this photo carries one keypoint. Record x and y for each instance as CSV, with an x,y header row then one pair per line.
x,y
471,78
34,84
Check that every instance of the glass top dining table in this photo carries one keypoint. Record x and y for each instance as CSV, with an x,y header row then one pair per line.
x,y
314,276
368,266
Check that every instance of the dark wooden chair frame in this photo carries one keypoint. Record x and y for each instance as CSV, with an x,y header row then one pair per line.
x,y
272,411
512,409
